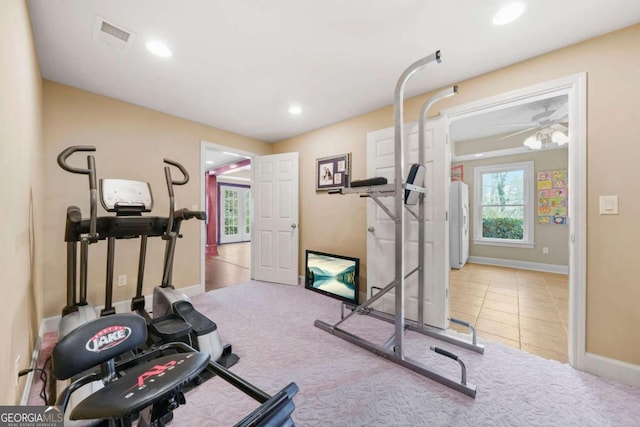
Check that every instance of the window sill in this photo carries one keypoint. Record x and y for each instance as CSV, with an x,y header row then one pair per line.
x,y
527,245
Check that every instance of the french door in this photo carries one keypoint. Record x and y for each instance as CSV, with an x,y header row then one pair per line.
x,y
235,213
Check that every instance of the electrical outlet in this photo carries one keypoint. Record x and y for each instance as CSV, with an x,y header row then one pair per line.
x,y
545,251
122,280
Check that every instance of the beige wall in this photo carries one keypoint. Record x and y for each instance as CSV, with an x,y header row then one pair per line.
x,y
554,237
337,224
21,192
131,143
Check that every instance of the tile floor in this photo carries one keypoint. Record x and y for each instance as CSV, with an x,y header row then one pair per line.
x,y
525,309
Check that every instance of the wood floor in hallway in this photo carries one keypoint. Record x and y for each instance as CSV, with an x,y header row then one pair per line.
x,y
231,266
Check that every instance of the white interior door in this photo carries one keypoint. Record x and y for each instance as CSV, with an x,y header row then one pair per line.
x,y
234,213
465,224
380,241
275,218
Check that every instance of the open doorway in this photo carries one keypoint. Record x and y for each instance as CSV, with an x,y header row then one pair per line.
x,y
227,201
523,282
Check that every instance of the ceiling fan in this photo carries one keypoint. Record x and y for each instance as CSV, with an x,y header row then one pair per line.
x,y
550,126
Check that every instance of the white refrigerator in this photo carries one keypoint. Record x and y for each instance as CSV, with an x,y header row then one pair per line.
x,y
458,224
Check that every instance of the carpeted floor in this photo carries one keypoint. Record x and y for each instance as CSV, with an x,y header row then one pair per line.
x,y
341,385
271,329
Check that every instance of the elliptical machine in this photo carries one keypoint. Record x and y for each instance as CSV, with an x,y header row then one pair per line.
x,y
78,311
167,301
93,354
174,317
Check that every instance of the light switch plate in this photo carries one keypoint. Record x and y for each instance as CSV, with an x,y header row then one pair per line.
x,y
609,205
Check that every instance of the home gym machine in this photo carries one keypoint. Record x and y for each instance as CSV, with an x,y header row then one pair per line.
x,y
77,311
149,386
174,317
405,193
73,357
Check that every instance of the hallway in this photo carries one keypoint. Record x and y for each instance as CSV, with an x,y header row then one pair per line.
x,y
231,266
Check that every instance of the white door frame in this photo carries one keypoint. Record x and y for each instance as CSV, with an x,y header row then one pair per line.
x,y
575,86
204,147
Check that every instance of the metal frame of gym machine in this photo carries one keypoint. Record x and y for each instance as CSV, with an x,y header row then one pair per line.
x,y
394,347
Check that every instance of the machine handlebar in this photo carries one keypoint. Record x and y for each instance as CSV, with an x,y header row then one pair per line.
x,y
170,183
93,182
62,158
184,172
186,214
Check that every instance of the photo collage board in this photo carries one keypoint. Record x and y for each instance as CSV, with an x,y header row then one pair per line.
x,y
551,188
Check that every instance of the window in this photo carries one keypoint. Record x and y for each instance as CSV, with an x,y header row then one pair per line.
x,y
247,212
504,204
235,213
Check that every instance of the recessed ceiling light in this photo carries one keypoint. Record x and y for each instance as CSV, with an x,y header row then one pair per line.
x,y
295,110
159,48
508,13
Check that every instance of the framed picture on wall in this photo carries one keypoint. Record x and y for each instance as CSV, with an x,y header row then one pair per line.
x,y
333,172
457,173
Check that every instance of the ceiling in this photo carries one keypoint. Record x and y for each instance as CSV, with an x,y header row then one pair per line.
x,y
510,120
239,65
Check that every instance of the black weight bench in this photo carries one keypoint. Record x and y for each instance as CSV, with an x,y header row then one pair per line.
x,y
147,386
155,384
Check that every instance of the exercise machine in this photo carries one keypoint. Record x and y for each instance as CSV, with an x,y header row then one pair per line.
x,y
173,315
128,199
406,193
77,310
149,386
167,301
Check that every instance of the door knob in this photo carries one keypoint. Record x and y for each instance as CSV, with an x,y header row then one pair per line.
x,y
293,226
371,229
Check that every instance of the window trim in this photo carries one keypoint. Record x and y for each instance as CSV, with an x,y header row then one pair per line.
x,y
529,198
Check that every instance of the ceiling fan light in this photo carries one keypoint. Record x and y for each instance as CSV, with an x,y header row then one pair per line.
x,y
533,143
559,137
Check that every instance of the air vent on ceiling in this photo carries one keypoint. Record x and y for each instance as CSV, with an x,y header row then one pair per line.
x,y
113,35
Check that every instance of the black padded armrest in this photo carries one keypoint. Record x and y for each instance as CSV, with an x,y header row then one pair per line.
x,y
416,177
143,385
96,342
378,180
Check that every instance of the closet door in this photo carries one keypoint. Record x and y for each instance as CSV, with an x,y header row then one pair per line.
x,y
381,235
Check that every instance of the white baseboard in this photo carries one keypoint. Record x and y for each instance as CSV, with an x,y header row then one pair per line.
x,y
50,324
523,265
622,372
